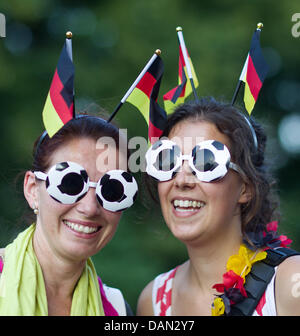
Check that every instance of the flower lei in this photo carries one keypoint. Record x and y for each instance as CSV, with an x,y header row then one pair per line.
x,y
239,265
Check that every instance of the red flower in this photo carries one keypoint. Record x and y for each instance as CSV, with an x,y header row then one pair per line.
x,y
272,226
219,287
230,280
284,241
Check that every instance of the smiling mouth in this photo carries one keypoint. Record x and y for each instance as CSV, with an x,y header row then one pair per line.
x,y
187,205
82,228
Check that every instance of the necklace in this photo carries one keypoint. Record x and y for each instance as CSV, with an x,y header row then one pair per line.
x,y
239,265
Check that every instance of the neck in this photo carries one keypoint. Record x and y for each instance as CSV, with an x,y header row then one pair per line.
x,y
208,259
60,273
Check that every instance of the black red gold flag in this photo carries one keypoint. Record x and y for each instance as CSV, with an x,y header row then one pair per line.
x,y
254,72
144,97
59,106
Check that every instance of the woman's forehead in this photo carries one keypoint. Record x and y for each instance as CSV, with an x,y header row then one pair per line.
x,y
188,133
90,154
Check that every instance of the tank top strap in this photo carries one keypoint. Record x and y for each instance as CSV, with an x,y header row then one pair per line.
x,y
267,304
162,293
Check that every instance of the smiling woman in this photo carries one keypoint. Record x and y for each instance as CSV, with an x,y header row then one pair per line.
x,y
216,197
75,218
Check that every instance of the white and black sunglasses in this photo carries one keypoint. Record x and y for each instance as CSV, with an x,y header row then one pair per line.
x,y
68,182
209,160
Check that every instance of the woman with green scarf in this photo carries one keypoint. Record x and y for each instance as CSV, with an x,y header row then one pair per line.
x,y
76,189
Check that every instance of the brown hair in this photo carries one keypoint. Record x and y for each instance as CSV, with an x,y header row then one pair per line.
x,y
260,210
83,126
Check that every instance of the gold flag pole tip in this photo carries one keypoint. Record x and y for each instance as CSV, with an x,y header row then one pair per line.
x,y
158,52
179,29
69,35
259,25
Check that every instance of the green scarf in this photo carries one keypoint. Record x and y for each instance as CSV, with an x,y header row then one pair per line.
x,y
22,287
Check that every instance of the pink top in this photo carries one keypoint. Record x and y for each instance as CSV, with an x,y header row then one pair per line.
x,y
108,308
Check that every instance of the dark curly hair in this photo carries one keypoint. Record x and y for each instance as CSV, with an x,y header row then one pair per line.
x,y
262,208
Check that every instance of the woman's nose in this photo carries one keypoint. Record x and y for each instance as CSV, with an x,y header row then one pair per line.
x,y
89,205
185,178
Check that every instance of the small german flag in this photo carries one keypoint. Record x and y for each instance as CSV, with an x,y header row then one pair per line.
x,y
178,94
59,106
144,97
254,72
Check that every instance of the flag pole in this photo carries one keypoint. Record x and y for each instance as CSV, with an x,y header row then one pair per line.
x,y
69,36
237,89
186,60
239,84
127,94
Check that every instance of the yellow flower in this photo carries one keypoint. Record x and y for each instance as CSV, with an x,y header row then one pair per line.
x,y
257,256
218,307
241,263
236,263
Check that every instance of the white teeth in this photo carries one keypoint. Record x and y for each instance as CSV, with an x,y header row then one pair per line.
x,y
185,210
188,204
81,228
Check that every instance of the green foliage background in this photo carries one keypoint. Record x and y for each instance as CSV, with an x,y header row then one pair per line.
x,y
112,42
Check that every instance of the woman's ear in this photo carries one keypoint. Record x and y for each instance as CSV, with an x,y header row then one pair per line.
x,y
245,194
31,189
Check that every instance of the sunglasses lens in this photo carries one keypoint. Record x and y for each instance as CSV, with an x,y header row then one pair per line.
x,y
117,190
167,158
210,160
112,189
67,182
203,159
162,160
71,184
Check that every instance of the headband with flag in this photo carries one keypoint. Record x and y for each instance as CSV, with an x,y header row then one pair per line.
x,y
186,70
143,94
59,107
253,73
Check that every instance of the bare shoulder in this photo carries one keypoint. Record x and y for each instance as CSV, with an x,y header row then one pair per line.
x,y
287,287
144,305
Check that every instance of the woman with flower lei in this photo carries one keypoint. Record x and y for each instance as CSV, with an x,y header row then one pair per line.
x,y
227,221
